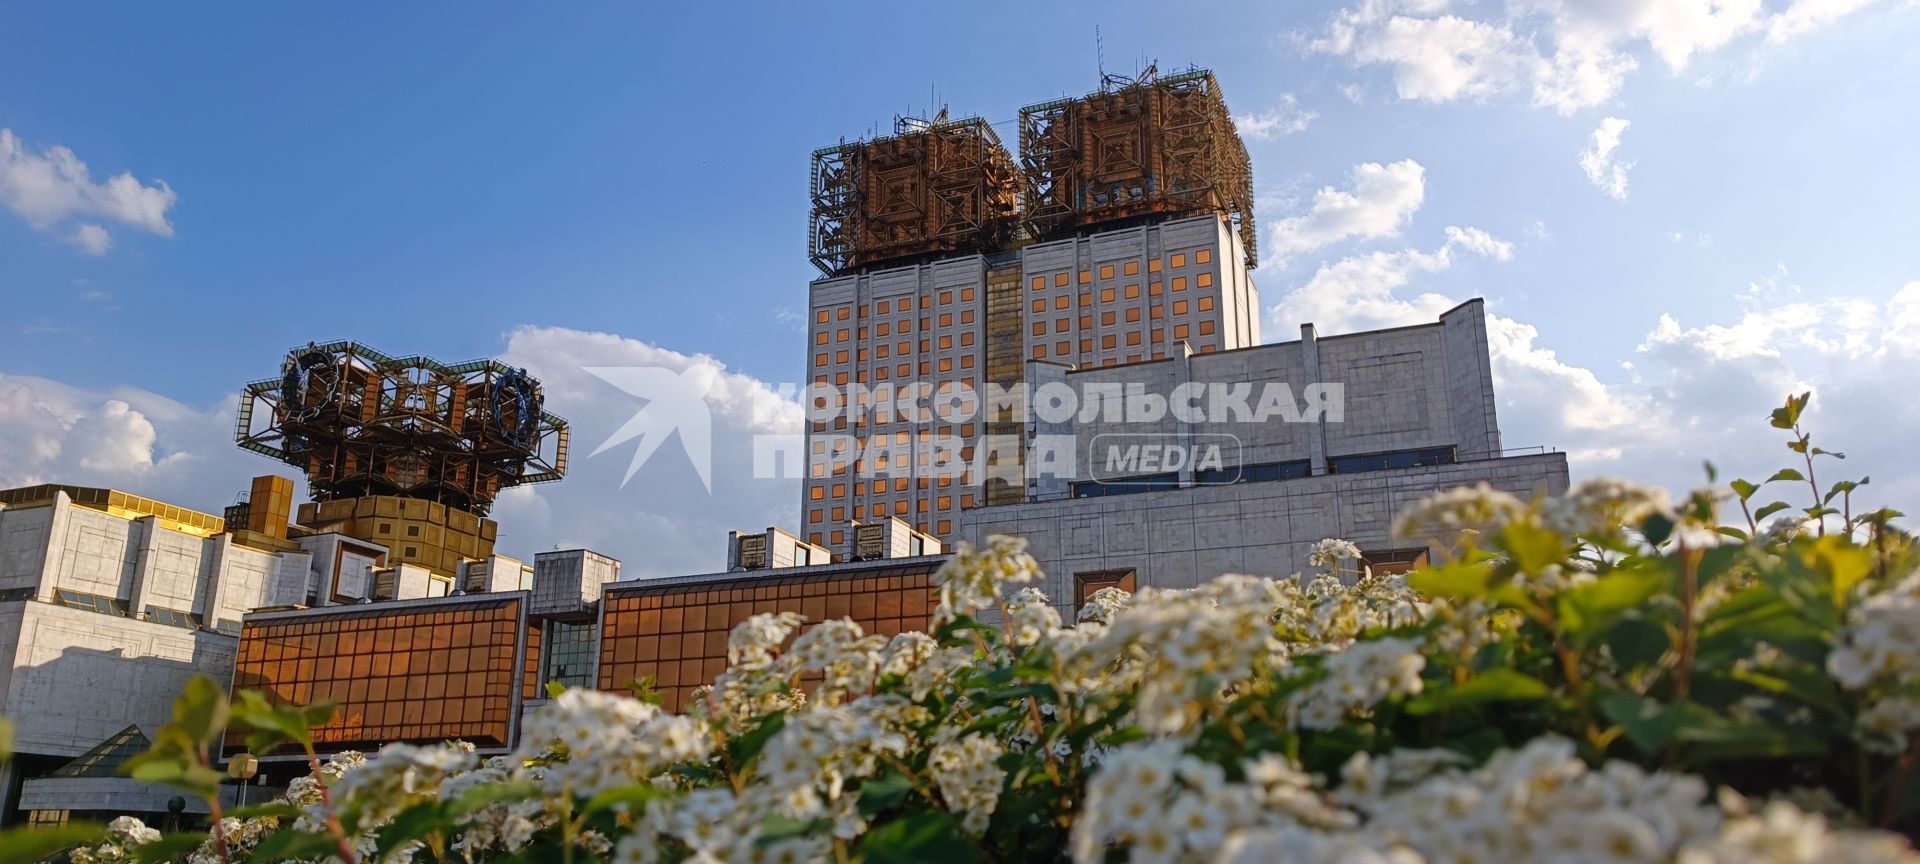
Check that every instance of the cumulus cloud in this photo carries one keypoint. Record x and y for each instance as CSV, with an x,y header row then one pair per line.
x,y
92,238
1686,391
1379,201
1357,293
1603,171
1566,54
663,522
1286,118
124,438
49,187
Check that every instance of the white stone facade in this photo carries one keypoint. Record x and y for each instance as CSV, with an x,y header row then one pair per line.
x,y
104,618
1415,415
1182,537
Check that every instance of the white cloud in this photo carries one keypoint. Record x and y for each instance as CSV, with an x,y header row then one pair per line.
x,y
53,185
124,438
1379,201
1567,54
1805,16
1286,119
663,522
1597,160
1693,391
1357,293
92,238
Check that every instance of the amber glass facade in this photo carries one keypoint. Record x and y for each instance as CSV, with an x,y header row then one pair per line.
x,y
416,671
677,634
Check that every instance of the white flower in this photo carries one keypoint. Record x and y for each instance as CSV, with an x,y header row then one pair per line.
x,y
1330,552
975,578
968,777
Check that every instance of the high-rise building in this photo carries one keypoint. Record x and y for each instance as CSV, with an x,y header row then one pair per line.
x,y
1133,243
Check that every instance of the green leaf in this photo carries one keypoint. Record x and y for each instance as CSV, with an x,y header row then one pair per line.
x,y
1657,528
35,842
1647,723
1710,737
1637,642
884,793
201,711
635,798
288,844
1590,609
1799,684
1788,416
924,837
1493,685
776,828
409,825
1744,488
744,748
1533,547
1453,579
168,848
554,689
1769,510
1787,474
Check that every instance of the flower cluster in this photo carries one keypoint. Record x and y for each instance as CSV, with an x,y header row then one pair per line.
x,y
1577,681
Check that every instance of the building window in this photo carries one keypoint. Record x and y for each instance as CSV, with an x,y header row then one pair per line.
x,y
227,626
1126,485
1394,562
1422,458
90,602
173,617
569,652
12,594
1259,473
1087,584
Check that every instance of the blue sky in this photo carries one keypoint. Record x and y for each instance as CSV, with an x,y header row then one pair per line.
x,y
583,183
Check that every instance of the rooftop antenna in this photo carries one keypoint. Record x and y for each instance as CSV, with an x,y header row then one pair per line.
x,y
1100,56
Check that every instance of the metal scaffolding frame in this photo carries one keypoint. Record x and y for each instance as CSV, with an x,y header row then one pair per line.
x,y
359,422
1137,147
934,187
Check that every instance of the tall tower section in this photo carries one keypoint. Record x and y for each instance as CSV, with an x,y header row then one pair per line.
x,y
1123,234
406,452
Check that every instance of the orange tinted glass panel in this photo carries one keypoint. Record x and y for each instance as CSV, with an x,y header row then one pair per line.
x,y
678,634
409,673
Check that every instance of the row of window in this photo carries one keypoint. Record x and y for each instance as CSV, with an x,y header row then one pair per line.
x,y
940,527
1126,268
901,305
901,326
1266,472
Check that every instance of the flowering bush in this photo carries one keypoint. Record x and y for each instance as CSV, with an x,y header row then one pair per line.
x,y
1604,676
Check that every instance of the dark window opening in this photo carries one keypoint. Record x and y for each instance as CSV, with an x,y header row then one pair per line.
x,y
173,617
1422,458
90,602
1394,562
1126,485
1260,473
